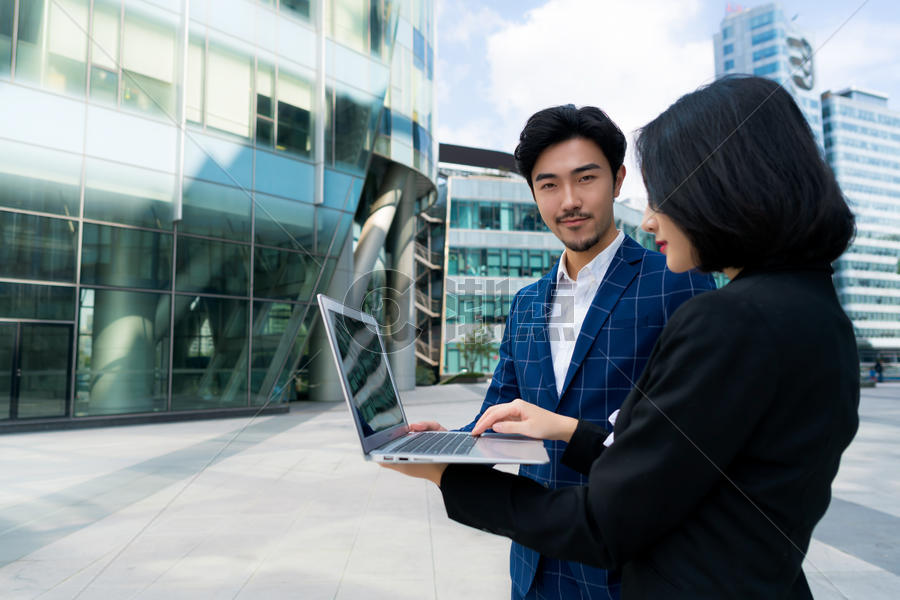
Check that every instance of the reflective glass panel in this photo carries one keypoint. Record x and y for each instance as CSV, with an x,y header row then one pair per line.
x,y
7,8
279,334
148,65
105,51
353,132
297,7
38,179
25,301
123,353
331,226
52,44
8,333
212,267
215,210
284,275
195,78
126,257
128,195
265,105
284,223
38,247
228,88
349,19
295,101
209,361
43,378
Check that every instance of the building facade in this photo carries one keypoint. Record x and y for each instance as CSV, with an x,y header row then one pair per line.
x,y
180,178
761,41
862,144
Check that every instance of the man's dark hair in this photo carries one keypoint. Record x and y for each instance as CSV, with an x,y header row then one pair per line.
x,y
735,166
562,123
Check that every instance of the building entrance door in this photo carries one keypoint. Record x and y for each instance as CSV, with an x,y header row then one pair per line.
x,y
34,370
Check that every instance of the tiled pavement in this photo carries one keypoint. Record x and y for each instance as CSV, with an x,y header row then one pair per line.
x,y
285,507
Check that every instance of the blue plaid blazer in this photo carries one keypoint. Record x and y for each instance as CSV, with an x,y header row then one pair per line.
x,y
630,309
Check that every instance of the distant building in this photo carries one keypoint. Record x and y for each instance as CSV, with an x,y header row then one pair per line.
x,y
761,41
862,144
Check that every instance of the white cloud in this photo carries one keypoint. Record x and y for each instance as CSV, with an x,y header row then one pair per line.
x,y
461,26
863,53
631,59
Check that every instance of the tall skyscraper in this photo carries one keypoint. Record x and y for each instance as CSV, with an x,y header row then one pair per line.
x,y
862,144
761,41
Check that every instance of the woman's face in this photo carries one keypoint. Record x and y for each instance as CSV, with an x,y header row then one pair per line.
x,y
680,254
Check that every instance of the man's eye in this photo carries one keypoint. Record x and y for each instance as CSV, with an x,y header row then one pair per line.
x,y
585,178
547,186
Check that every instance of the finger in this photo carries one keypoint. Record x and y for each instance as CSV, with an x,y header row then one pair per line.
x,y
519,427
426,426
499,412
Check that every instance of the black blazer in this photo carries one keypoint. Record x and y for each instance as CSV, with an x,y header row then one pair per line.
x,y
723,456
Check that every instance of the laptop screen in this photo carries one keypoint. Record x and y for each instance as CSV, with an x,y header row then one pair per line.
x,y
365,368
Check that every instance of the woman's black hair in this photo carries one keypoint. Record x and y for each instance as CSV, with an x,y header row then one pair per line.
x,y
735,166
562,123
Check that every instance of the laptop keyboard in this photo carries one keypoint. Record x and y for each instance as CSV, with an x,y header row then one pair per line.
x,y
438,442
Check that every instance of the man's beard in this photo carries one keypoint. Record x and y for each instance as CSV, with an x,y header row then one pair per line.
x,y
582,245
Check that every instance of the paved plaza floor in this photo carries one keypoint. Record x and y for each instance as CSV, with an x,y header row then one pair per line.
x,y
285,507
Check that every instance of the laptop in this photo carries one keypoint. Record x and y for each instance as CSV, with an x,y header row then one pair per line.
x,y
371,394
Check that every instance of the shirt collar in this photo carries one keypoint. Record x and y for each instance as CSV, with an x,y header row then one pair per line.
x,y
594,269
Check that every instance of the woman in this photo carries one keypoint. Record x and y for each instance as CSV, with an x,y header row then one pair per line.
x,y
722,457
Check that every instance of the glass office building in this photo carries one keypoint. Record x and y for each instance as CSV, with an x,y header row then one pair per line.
x,y
862,144
178,179
761,41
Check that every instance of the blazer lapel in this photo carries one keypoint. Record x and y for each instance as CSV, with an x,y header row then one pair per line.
x,y
540,335
621,271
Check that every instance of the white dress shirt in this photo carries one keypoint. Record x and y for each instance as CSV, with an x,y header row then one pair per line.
x,y
570,305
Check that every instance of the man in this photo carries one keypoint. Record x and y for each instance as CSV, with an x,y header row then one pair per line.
x,y
577,339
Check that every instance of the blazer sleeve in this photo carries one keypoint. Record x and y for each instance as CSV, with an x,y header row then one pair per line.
x,y
584,447
681,287
504,383
706,387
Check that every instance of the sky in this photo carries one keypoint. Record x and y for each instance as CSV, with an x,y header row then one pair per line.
x,y
499,61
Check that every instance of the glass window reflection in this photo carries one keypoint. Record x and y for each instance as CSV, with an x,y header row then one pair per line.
x,y
284,275
26,301
128,195
123,350
210,355
26,182
215,210
38,247
148,64
228,87
126,257
284,223
280,332
7,14
105,51
295,101
212,267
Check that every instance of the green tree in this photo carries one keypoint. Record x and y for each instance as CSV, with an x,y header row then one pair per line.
x,y
475,346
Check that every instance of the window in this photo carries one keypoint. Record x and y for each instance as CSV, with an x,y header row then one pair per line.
x,y
765,52
6,28
228,91
762,20
123,352
295,101
38,247
121,257
766,69
265,105
729,64
765,36
728,32
148,66
727,49
105,52
52,47
195,78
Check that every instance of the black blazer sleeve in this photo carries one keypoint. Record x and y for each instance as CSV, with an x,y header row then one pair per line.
x,y
702,394
585,446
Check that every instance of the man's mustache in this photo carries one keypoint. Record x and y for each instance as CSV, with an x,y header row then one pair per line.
x,y
572,215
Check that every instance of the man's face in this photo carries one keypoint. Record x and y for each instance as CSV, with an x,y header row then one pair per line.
x,y
574,189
